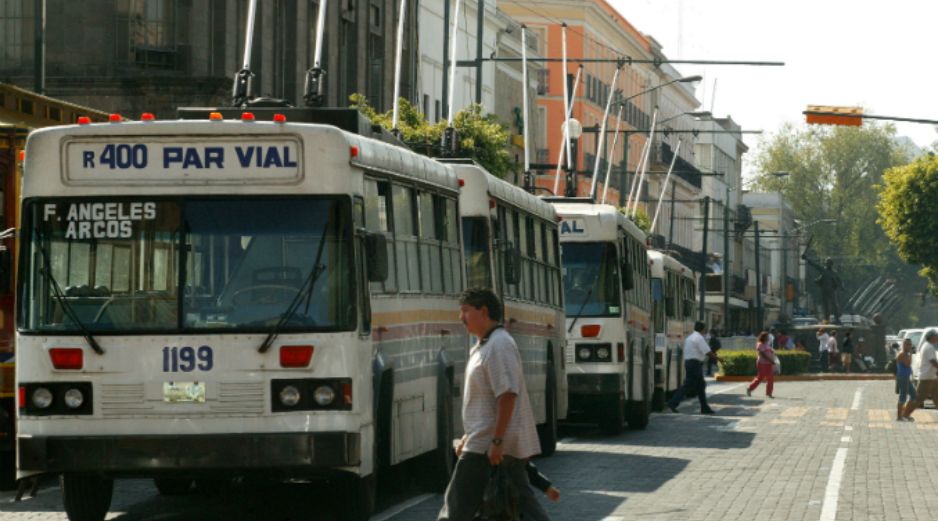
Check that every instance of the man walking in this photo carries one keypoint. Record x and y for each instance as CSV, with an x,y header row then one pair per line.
x,y
497,415
926,371
696,351
823,351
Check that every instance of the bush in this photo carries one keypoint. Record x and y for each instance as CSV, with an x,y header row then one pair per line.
x,y
743,363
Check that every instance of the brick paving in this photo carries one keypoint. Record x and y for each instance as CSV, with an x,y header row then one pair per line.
x,y
757,458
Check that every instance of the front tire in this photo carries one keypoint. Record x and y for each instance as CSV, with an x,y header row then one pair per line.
x,y
87,497
357,498
7,470
613,421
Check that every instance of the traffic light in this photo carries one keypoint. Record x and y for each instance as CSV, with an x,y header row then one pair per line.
x,y
827,115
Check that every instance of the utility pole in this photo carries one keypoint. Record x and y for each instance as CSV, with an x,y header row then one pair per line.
x,y
39,55
480,23
703,271
726,261
671,224
446,8
624,171
758,283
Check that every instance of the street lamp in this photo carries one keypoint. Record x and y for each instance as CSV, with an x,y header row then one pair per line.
x,y
698,114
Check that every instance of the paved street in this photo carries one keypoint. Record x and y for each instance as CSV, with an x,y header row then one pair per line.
x,y
819,451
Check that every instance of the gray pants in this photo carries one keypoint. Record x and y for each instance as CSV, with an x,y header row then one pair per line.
x,y
463,497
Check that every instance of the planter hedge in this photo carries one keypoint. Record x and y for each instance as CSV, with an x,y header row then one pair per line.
x,y
743,363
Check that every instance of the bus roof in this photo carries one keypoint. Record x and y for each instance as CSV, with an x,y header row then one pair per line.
x,y
604,213
319,148
662,261
479,185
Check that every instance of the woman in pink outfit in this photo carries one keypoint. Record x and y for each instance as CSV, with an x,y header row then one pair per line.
x,y
765,366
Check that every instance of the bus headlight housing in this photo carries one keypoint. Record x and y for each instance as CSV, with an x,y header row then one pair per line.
x,y
603,354
42,398
290,396
74,398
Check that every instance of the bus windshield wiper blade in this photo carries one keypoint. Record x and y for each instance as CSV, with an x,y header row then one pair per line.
x,y
583,305
306,290
60,297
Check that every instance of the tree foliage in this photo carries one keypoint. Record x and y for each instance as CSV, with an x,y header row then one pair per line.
x,y
641,219
907,213
480,137
834,173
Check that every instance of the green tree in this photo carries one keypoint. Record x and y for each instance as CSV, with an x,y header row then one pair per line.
x,y
641,219
906,213
480,137
834,173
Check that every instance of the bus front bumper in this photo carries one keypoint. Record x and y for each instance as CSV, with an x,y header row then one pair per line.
x,y
144,454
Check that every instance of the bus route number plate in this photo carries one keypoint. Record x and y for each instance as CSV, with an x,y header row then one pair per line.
x,y
184,392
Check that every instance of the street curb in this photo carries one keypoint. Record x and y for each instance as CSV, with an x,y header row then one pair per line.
x,y
811,377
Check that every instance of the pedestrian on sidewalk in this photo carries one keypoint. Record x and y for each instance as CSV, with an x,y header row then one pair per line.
x,y
497,416
765,366
823,351
846,352
696,350
904,379
926,372
833,351
715,345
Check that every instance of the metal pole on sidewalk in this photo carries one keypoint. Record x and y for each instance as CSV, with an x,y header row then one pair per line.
x,y
726,261
703,270
480,22
759,323
443,107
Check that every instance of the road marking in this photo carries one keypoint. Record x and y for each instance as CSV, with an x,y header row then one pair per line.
x,y
878,415
880,426
783,422
923,417
845,439
856,399
848,427
726,389
613,518
794,412
832,492
397,509
836,414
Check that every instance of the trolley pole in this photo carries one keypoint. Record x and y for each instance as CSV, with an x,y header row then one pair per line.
x,y
758,282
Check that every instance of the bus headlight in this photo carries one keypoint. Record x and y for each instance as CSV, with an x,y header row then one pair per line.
x,y
584,354
42,398
602,353
74,398
289,396
324,395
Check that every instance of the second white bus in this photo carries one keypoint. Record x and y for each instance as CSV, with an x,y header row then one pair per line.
x,y
673,311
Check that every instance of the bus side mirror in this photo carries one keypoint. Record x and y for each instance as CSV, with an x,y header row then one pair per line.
x,y
376,257
512,265
628,280
6,272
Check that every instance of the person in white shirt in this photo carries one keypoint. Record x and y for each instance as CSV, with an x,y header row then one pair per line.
x,y
926,371
696,351
823,350
499,422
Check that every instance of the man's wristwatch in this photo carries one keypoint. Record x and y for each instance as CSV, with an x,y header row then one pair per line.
x,y
496,441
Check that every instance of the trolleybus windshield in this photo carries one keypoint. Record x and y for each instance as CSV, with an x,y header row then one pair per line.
x,y
156,264
591,279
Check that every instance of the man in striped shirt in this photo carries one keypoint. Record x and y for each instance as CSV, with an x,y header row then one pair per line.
x,y
497,415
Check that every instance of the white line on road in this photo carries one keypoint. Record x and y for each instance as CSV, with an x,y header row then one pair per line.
x,y
397,509
848,427
856,399
726,389
845,439
832,492
613,518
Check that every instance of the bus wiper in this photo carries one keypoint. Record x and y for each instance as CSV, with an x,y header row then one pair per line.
x,y
583,305
306,290
60,297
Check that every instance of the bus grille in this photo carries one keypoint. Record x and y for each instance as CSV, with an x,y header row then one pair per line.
x,y
232,399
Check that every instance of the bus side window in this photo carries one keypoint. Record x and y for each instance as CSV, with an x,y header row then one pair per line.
x,y
378,218
405,236
431,279
452,272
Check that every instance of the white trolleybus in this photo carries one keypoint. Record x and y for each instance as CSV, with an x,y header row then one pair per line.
x,y
510,245
229,297
610,363
673,313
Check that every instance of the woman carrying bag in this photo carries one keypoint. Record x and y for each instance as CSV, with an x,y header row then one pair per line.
x,y
765,366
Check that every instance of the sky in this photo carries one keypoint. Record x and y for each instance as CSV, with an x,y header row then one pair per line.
x,y
862,52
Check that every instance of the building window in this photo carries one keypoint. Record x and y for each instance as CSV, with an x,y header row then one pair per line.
x,y
152,33
348,41
16,34
376,56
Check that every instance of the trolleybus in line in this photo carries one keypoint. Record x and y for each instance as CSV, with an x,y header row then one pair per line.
x,y
610,362
230,297
510,245
673,288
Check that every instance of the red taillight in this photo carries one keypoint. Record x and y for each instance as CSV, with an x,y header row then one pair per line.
x,y
67,357
295,356
22,156
83,120
115,118
353,152
215,116
247,116
590,331
620,348
347,393
280,118
462,183
147,116
22,397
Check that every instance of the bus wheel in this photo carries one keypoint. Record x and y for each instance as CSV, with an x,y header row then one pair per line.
x,y
172,486
87,497
7,470
657,400
639,411
614,420
440,462
357,497
547,433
